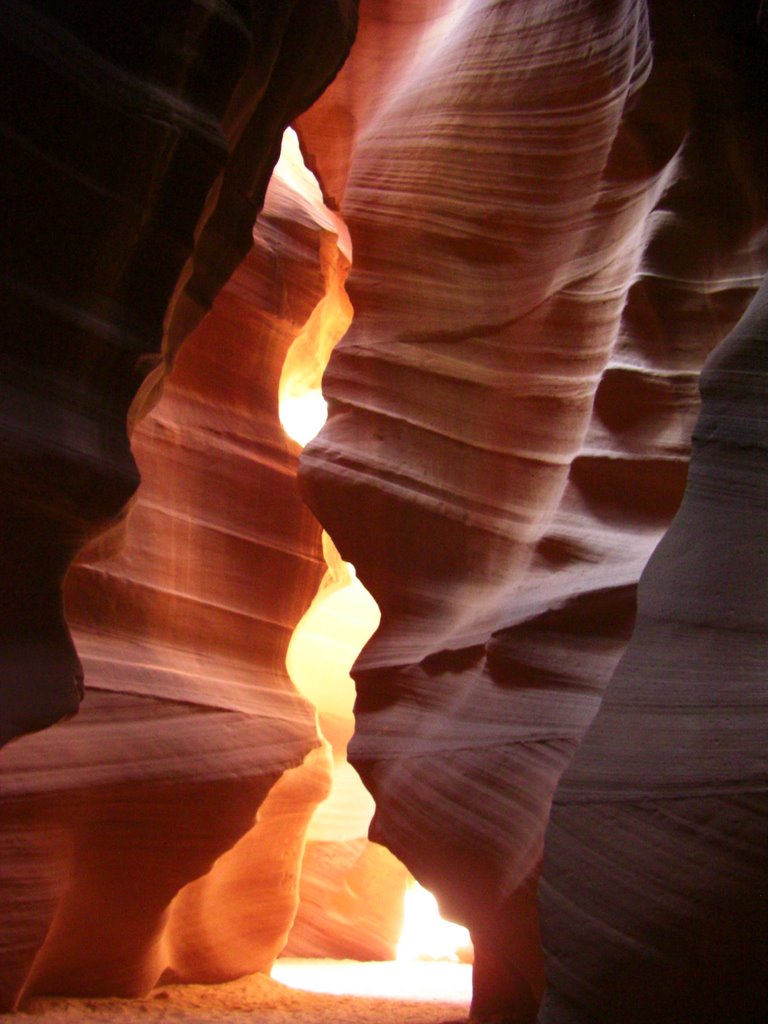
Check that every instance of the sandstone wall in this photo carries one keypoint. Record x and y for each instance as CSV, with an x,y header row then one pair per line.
x,y
161,832
653,894
558,211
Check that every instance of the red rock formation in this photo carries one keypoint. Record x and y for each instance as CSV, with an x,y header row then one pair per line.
x,y
161,866
351,900
139,143
558,210
548,243
132,846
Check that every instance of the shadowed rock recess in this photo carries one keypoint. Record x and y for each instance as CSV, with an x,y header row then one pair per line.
x,y
668,788
557,213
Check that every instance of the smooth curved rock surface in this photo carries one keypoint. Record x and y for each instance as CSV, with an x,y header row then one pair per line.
x,y
164,842
161,832
139,145
653,897
558,211
351,901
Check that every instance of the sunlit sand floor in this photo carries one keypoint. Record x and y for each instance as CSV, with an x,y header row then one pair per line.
x,y
419,980
343,992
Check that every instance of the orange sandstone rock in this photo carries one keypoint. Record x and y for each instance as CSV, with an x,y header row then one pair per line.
x,y
141,148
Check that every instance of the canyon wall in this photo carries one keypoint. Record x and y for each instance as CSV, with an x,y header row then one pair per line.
x,y
653,898
161,832
558,211
139,147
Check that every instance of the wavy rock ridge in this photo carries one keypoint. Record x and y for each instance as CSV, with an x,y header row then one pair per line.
x,y
139,840
548,243
558,211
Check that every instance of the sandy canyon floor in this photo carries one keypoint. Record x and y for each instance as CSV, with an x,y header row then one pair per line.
x,y
350,993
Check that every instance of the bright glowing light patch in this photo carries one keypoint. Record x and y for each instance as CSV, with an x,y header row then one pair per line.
x,y
417,981
333,631
303,416
426,935
294,193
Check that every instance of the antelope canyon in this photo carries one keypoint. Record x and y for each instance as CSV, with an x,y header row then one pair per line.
x,y
385,505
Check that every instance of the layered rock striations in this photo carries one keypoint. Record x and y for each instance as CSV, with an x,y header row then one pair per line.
x,y
139,144
653,894
151,856
557,213
159,834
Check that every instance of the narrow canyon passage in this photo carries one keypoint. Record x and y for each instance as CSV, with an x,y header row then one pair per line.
x,y
324,646
454,410
137,609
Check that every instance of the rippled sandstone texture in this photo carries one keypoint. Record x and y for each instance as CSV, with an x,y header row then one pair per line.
x,y
141,142
558,211
669,786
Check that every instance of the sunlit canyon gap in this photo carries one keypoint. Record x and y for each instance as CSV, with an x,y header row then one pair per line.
x,y
492,613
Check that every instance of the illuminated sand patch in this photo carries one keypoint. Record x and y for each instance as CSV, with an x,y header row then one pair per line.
x,y
418,981
258,999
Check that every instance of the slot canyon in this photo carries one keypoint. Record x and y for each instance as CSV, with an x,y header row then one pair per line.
x,y
384,504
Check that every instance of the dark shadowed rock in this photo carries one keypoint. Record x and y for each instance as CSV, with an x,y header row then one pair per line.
x,y
653,894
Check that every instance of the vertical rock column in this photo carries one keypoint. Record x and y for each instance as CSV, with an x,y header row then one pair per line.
x,y
557,214
140,141
653,893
